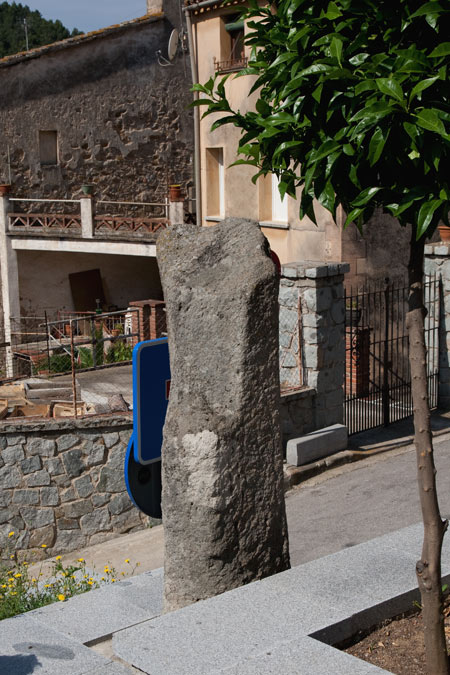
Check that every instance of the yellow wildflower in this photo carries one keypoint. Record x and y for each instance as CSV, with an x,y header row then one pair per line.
x,y
127,560
11,580
43,545
61,597
11,534
34,581
80,559
47,585
90,582
58,557
113,580
103,579
17,575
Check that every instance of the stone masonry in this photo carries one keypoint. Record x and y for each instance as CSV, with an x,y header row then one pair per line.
x,y
62,484
222,498
312,297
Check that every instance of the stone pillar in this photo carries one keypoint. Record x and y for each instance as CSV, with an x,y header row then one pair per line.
x,y
437,261
314,295
10,280
150,319
222,498
87,217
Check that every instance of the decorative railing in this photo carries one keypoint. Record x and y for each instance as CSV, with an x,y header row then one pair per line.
x,y
122,225
44,221
230,65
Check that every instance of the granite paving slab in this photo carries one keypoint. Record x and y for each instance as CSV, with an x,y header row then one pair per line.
x,y
217,633
329,598
103,611
112,668
27,646
304,656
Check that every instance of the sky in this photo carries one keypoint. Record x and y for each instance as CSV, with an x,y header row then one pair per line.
x,y
88,15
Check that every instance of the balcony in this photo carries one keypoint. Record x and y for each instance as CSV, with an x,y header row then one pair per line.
x,y
230,65
87,218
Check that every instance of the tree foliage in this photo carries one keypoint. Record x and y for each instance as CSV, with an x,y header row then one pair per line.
x,y
353,105
40,30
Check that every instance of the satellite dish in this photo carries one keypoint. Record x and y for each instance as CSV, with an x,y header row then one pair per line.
x,y
173,44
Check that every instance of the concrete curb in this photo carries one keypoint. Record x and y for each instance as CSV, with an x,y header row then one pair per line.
x,y
294,475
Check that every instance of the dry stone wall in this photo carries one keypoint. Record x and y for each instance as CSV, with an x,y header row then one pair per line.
x,y
62,484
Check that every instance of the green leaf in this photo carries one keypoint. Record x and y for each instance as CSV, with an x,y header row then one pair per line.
x,y
425,217
365,196
336,49
333,12
429,119
325,149
285,146
327,197
441,50
376,145
427,8
421,86
353,215
390,87
358,59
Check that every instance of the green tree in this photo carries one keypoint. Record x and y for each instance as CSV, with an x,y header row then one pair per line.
x,y
40,31
354,109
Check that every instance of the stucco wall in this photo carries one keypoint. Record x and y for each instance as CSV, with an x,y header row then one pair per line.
x,y
62,484
44,282
122,119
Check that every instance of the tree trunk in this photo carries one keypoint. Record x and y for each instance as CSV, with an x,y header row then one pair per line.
x,y
428,568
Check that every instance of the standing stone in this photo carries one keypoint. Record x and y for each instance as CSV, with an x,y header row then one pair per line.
x,y
222,500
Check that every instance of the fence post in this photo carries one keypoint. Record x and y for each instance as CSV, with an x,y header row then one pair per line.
x,y
319,290
87,217
437,262
9,278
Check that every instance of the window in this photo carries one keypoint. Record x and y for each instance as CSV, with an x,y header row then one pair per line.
x,y
48,148
215,183
272,208
232,55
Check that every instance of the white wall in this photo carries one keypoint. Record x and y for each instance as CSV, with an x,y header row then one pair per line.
x,y
44,280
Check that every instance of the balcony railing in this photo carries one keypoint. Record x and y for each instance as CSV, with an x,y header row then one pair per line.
x,y
124,220
44,221
230,65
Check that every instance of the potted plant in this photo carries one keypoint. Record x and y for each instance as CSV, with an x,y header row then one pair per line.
x,y
444,233
5,189
87,189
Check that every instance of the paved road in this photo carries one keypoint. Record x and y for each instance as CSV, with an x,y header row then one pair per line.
x,y
358,502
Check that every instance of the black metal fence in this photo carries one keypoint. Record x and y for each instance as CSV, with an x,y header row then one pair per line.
x,y
377,378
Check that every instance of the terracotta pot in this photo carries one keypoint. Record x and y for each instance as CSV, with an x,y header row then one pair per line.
x,y
175,193
5,189
444,232
87,189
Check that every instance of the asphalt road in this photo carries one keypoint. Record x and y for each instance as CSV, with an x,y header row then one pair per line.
x,y
357,502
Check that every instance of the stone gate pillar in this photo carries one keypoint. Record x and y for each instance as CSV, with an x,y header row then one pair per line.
x,y
312,302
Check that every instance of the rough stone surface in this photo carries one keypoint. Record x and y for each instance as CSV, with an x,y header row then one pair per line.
x,y
58,494
222,501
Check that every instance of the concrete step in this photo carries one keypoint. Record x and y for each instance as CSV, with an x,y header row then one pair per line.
x,y
52,394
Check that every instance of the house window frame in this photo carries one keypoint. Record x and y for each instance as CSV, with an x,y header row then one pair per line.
x,y
48,147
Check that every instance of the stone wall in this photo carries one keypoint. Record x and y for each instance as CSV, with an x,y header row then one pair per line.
x,y
62,484
122,120
312,297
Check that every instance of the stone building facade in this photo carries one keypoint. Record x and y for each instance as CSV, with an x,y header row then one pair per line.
x,y
102,108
